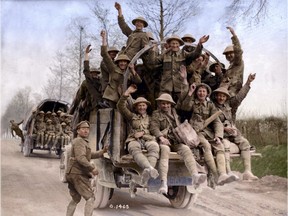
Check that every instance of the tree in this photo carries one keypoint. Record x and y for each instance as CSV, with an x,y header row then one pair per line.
x,y
250,11
166,17
18,108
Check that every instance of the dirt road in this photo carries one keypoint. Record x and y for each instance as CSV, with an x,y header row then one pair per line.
x,y
30,186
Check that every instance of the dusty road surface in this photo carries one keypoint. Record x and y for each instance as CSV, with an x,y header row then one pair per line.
x,y
31,187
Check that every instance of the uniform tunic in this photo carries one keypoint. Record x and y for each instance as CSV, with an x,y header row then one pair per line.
x,y
137,39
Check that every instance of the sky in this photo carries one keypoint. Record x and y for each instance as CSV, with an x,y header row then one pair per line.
x,y
33,31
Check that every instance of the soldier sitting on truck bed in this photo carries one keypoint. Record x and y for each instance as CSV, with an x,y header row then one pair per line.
x,y
163,121
139,136
49,133
39,129
231,134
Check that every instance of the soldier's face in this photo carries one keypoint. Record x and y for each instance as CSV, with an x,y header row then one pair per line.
x,y
83,132
188,40
165,106
112,55
95,75
141,108
123,64
202,94
174,44
221,98
217,69
230,56
139,25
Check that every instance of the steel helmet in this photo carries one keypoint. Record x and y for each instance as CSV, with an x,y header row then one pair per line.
x,y
165,97
140,19
229,48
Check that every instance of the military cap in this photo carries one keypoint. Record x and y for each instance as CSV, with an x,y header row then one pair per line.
x,y
49,120
63,123
48,112
122,57
83,124
141,100
175,37
165,97
59,111
228,49
212,66
222,90
188,36
95,70
140,19
209,91
113,49
54,114
41,112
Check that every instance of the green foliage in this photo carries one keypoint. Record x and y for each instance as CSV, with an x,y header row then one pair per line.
x,y
272,162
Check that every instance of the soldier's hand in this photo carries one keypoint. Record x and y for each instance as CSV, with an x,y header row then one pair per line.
x,y
217,141
138,134
183,72
192,88
117,6
131,89
94,171
204,39
103,33
229,130
88,49
231,30
105,149
251,77
164,141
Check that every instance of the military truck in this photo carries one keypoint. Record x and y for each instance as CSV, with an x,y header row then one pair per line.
x,y
118,170
46,105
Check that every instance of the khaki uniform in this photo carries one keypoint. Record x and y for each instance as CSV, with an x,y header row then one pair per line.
x,y
171,80
116,77
162,125
243,144
137,39
200,112
105,76
139,123
79,168
50,134
234,73
39,129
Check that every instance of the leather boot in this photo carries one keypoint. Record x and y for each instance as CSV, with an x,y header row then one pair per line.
x,y
247,175
223,177
71,208
89,207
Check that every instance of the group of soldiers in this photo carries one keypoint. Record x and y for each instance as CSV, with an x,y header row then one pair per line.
x,y
51,128
178,83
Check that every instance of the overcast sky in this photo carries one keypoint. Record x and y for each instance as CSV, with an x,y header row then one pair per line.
x,y
32,32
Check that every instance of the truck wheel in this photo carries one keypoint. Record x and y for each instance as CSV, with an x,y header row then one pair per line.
x,y
102,194
180,198
27,150
64,157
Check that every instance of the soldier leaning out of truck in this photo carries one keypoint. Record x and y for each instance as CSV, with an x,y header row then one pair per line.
x,y
139,136
15,127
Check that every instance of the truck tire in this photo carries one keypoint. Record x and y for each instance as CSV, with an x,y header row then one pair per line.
x,y
64,157
181,198
102,194
27,150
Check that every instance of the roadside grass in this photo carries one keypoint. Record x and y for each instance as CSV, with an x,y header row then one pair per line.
x,y
272,162
269,136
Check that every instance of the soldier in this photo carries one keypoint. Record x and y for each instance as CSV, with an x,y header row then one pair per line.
x,y
188,40
114,88
234,73
47,116
63,135
162,123
80,169
214,81
139,136
39,129
171,61
223,102
59,113
40,115
58,129
15,127
112,51
137,39
201,110
49,133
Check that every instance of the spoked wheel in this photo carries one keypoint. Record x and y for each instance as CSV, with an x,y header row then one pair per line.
x,y
179,197
102,194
